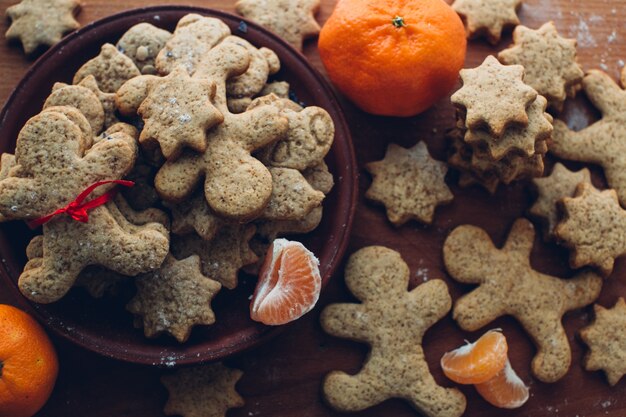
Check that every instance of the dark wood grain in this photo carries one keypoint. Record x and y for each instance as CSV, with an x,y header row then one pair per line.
x,y
282,378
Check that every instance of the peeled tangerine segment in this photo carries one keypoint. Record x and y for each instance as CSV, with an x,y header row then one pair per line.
x,y
289,284
505,390
478,362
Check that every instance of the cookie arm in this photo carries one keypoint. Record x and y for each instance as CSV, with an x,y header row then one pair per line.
x,y
581,290
477,309
349,321
259,127
177,179
604,93
587,145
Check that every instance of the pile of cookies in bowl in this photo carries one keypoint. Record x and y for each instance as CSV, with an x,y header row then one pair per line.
x,y
171,161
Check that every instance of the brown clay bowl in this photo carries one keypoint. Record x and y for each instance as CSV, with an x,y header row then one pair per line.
x,y
103,325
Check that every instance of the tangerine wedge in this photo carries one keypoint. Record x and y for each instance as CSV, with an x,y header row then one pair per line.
x,y
289,284
478,362
505,390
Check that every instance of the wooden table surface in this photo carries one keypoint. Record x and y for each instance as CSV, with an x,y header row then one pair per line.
x,y
282,378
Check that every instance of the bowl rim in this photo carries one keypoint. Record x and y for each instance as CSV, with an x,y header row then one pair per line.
x,y
346,201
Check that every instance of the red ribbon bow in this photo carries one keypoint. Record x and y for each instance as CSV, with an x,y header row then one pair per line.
x,y
77,210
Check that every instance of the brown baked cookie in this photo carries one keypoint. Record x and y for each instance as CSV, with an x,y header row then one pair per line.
x,y
111,69
195,215
99,281
76,117
177,113
106,99
69,244
392,321
142,43
516,139
508,96
320,177
174,298
81,98
202,391
236,185
512,167
487,17
593,228
240,89
292,196
606,338
193,38
278,88
550,190
549,62
409,183
223,256
41,22
460,157
7,162
293,21
309,138
507,285
604,142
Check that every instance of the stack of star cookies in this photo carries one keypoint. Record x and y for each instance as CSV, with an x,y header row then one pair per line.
x,y
502,127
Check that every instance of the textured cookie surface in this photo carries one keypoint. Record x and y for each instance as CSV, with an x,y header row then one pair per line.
x,y
559,184
111,69
174,298
549,61
487,17
294,21
223,256
606,338
202,391
494,96
142,43
604,142
177,113
236,184
409,183
392,321
594,227
41,22
519,139
509,286
81,98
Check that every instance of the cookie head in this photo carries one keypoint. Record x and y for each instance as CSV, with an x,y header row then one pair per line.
x,y
376,272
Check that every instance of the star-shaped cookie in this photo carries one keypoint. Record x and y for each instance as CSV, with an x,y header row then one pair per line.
x,y
41,22
606,338
487,17
410,183
293,20
559,184
604,142
594,227
508,285
491,83
548,59
174,298
202,391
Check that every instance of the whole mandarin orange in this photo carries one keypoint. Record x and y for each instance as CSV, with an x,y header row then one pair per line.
x,y
393,57
28,364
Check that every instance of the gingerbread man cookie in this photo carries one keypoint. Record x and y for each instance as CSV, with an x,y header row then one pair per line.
x,y
70,245
110,68
236,184
604,142
509,285
392,321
